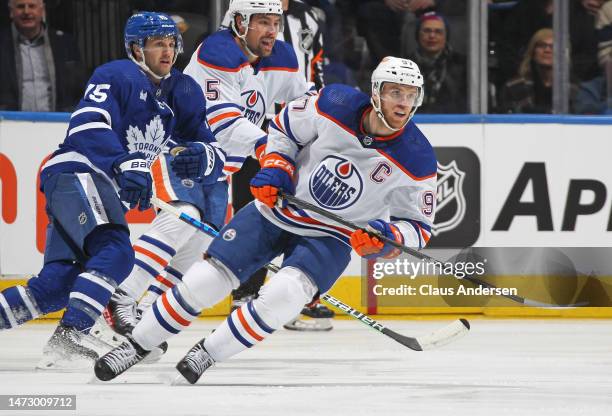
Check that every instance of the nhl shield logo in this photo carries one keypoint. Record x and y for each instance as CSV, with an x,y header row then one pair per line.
x,y
451,205
306,37
335,183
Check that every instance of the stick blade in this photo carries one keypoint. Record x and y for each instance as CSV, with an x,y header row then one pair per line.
x,y
435,339
443,336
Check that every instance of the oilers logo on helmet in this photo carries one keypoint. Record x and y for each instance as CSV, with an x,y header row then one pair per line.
x,y
254,105
336,183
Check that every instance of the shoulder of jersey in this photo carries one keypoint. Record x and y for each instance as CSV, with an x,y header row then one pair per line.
x,y
121,69
219,51
413,153
282,58
343,105
184,84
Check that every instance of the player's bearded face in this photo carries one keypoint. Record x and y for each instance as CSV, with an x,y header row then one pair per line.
x,y
396,102
159,54
263,29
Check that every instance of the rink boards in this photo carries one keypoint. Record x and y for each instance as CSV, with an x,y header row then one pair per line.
x,y
532,181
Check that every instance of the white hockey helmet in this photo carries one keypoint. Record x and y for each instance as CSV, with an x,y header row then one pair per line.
x,y
400,71
247,8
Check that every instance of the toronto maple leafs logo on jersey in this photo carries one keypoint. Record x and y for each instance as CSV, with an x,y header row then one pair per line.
x,y
150,142
336,183
254,106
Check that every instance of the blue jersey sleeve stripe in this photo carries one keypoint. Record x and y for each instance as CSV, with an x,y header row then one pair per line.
x,y
225,125
288,127
216,107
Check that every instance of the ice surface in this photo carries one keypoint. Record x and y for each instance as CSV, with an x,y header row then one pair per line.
x,y
503,367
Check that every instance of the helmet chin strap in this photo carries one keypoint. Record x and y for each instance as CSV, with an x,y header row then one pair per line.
x,y
242,38
381,116
146,68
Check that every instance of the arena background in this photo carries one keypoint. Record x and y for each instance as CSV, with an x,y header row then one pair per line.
x,y
503,181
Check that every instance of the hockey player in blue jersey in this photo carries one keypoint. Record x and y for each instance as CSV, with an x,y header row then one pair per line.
x,y
130,110
345,151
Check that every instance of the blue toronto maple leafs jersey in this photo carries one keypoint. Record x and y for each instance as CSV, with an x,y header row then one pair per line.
x,y
121,112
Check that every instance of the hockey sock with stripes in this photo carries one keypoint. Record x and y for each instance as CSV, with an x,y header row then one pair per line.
x,y
185,257
281,299
205,284
155,249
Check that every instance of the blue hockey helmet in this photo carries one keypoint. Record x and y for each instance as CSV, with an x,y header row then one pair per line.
x,y
143,25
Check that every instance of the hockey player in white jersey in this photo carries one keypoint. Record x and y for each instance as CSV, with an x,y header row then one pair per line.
x,y
358,156
242,71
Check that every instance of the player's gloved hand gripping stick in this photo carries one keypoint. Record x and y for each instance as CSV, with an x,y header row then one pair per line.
x,y
435,339
134,180
197,161
385,238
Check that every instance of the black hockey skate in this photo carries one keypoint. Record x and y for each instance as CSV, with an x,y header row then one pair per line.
x,y
122,313
318,318
65,348
193,365
119,359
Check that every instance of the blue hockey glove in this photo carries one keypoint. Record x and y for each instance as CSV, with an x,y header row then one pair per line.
x,y
371,247
134,179
276,173
198,161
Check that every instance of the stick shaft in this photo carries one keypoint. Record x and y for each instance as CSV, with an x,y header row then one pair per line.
x,y
409,342
415,253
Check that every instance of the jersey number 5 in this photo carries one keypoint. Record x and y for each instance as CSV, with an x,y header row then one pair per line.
x,y
99,92
212,89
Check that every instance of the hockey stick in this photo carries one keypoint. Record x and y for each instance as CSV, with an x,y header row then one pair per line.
x,y
415,253
435,339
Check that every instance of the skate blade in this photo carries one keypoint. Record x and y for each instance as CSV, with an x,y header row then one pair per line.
x,y
178,380
313,325
62,364
154,356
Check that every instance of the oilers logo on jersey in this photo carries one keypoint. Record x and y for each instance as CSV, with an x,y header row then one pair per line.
x,y
150,142
254,105
336,183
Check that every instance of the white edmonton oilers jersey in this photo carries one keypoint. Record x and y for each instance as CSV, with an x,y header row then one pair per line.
x,y
345,171
238,94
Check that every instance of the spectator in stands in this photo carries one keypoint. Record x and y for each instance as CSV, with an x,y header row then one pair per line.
x,y
595,96
604,34
531,90
40,67
444,70
530,15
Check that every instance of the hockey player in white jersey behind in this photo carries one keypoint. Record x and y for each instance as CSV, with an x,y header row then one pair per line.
x,y
242,71
128,113
362,158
